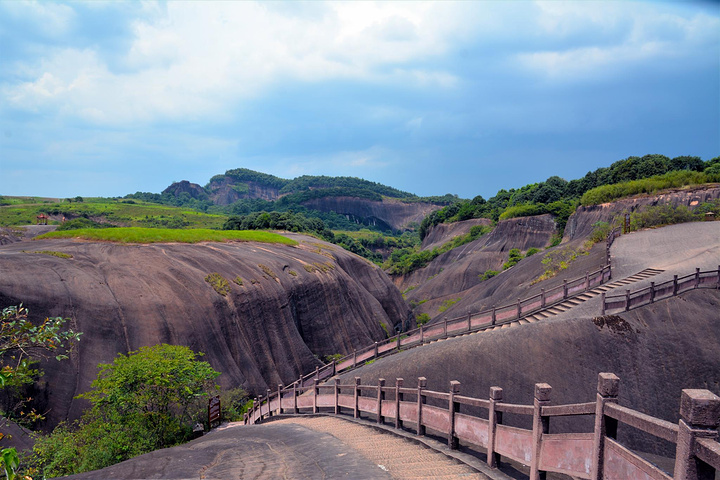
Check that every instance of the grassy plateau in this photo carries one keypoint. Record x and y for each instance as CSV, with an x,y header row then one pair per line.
x,y
170,235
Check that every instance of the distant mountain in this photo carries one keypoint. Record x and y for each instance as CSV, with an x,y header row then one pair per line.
x,y
360,201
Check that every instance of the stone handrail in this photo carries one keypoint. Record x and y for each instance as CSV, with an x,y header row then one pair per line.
x,y
670,288
596,455
472,322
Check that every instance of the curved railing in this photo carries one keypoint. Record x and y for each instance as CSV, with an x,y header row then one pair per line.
x,y
670,288
473,322
478,423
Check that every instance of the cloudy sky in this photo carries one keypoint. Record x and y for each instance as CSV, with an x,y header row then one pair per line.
x,y
110,98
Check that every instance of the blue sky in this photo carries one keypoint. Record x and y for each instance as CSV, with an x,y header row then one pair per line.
x,y
110,98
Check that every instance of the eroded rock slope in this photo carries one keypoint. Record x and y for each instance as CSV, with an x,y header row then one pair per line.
x,y
295,304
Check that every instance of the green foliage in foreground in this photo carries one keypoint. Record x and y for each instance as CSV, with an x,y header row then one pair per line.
x,y
141,402
514,256
608,193
168,235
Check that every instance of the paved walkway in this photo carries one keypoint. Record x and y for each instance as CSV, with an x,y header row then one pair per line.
x,y
400,457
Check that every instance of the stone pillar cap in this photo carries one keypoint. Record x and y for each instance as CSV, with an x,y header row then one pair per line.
x,y
454,386
542,391
496,393
700,408
608,384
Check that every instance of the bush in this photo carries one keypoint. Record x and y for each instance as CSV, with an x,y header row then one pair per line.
x,y
140,402
447,304
488,274
531,252
514,256
422,319
600,231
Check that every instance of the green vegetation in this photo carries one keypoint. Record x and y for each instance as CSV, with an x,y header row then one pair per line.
x,y
600,232
50,252
422,319
447,304
531,252
405,260
268,271
558,260
219,283
293,273
514,256
560,197
608,193
166,235
333,357
141,402
82,222
488,275
21,339
131,213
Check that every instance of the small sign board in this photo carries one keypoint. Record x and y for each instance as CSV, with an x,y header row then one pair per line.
x,y
214,415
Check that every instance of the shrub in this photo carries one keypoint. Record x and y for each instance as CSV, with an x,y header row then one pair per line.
x,y
488,274
267,271
447,304
600,232
238,280
531,252
514,256
140,402
422,319
218,283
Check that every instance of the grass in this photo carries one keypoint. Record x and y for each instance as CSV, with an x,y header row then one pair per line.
x,y
50,252
129,213
170,235
447,304
219,283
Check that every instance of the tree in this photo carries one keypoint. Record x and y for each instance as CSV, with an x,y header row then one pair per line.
x,y
143,401
20,340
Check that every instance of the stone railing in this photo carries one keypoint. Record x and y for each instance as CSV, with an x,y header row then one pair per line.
x,y
478,424
471,322
670,288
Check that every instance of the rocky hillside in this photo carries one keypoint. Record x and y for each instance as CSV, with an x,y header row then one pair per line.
x,y
580,224
295,305
361,201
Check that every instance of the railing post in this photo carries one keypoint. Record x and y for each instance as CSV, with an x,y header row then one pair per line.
x,y
469,322
337,397
627,300
317,372
565,289
334,367
316,391
380,398
541,425
398,341
398,399
422,383
356,411
279,409
675,285
697,277
587,280
542,298
602,302
519,308
269,392
607,392
718,277
493,316
652,292
295,397
453,408
445,328
494,419
422,337
376,350
699,413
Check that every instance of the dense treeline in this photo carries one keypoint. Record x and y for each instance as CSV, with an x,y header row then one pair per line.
x,y
560,197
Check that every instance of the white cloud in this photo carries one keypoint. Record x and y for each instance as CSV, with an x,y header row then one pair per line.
x,y
198,57
645,34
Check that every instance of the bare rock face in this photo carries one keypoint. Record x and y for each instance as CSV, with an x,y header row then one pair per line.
x,y
192,189
580,224
391,213
226,191
444,232
656,350
455,272
295,304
